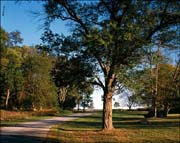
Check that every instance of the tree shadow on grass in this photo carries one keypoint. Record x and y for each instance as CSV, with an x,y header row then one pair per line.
x,y
126,118
130,124
95,122
26,139
137,122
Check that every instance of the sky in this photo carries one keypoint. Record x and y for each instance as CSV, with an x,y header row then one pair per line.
x,y
19,16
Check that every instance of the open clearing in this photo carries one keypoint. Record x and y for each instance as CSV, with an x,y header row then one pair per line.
x,y
129,129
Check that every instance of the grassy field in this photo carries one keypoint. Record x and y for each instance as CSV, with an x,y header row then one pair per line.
x,y
129,128
9,118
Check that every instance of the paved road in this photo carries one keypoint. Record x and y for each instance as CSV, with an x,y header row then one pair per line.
x,y
33,132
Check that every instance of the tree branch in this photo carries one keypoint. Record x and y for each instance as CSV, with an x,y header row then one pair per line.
x,y
100,82
73,14
169,19
120,19
96,83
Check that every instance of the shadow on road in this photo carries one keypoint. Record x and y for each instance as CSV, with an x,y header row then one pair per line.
x,y
25,139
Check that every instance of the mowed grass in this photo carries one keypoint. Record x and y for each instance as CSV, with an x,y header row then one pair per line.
x,y
128,129
10,118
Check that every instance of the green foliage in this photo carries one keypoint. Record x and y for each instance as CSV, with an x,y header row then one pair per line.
x,y
25,79
4,38
86,101
14,38
69,103
71,76
38,85
12,74
142,83
168,88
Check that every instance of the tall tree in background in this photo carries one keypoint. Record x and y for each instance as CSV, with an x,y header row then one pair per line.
x,y
157,54
11,74
15,38
111,35
39,91
3,61
168,89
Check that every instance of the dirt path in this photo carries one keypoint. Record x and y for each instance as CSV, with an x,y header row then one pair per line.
x,y
33,132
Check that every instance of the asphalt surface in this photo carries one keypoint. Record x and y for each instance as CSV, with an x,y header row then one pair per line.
x,y
33,132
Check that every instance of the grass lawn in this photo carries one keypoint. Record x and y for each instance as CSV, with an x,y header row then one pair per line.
x,y
128,129
10,118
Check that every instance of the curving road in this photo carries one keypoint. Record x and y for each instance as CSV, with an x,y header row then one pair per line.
x,y
33,132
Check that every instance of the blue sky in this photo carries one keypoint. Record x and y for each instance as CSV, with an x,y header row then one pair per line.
x,y
19,16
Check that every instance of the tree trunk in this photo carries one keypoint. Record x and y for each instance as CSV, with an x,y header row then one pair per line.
x,y
129,108
107,101
156,82
166,109
84,108
78,106
156,91
7,97
107,112
154,106
62,96
155,111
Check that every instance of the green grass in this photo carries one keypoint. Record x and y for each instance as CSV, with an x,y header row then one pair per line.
x,y
128,129
11,118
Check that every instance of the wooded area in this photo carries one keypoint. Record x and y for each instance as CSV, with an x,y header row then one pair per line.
x,y
28,79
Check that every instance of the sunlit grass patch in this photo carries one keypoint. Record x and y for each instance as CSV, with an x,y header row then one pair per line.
x,y
89,136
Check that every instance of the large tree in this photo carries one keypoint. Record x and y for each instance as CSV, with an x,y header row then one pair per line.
x,y
112,34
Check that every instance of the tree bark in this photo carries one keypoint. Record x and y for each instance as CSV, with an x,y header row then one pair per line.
x,y
110,81
78,106
7,97
153,104
166,109
62,95
107,112
156,81
155,111
84,108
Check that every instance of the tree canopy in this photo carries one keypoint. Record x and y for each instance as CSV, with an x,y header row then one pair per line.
x,y
111,35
